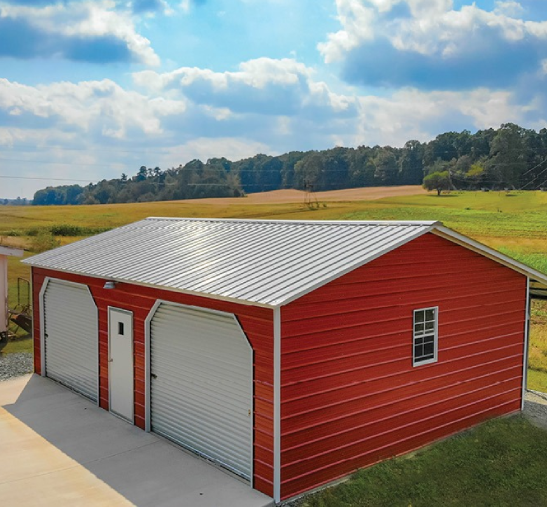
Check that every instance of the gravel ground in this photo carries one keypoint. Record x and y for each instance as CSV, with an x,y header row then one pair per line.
x,y
15,365
535,408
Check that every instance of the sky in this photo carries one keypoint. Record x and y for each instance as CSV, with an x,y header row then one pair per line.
x,y
93,89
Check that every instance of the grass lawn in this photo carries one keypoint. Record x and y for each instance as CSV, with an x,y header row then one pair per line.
x,y
500,463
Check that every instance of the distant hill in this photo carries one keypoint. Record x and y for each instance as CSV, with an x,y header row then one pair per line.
x,y
509,157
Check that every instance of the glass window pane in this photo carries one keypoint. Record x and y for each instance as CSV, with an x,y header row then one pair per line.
x,y
424,335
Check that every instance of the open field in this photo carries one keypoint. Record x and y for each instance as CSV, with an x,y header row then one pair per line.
x,y
514,223
298,196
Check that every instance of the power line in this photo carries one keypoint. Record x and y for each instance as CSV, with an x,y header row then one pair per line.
x,y
530,170
534,178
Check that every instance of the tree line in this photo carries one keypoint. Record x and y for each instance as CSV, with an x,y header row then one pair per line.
x,y
508,157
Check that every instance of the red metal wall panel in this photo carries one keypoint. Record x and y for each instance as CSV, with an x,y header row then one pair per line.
x,y
350,396
256,322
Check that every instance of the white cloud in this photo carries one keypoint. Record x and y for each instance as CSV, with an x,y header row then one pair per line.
x,y
87,105
509,8
432,37
357,22
204,148
90,24
262,85
413,114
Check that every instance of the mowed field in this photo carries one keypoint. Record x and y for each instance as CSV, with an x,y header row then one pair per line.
x,y
514,223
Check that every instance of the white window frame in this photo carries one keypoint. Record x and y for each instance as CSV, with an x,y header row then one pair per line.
x,y
435,336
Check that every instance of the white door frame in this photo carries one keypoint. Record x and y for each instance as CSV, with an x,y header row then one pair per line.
x,y
126,417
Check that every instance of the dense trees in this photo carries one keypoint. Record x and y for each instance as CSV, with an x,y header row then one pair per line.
x,y
510,157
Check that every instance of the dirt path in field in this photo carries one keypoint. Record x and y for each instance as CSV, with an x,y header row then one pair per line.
x,y
291,195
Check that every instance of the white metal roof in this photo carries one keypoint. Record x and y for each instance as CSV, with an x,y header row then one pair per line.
x,y
255,261
261,262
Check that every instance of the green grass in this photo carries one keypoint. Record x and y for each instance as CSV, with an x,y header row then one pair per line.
x,y
536,260
17,270
500,463
537,380
472,222
17,345
537,355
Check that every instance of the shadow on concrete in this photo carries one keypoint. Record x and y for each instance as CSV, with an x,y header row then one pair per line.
x,y
143,468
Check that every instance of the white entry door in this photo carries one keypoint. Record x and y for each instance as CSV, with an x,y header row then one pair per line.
x,y
120,362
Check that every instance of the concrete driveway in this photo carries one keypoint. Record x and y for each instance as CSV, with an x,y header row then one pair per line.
x,y
58,449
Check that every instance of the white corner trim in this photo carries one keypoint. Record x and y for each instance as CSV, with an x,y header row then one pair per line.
x,y
147,322
277,405
42,323
526,344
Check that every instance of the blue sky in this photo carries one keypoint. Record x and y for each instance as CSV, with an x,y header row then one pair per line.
x,y
93,89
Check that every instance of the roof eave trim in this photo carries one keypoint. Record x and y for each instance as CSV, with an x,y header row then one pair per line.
x,y
356,265
159,287
462,240
10,251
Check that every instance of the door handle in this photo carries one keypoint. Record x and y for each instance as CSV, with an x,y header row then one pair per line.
x,y
111,360
153,375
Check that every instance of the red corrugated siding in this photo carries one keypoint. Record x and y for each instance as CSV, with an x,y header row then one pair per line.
x,y
256,322
350,396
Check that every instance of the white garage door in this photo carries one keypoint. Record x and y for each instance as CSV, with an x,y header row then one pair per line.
x,y
201,391
70,337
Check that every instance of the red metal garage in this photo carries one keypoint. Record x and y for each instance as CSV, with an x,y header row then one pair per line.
x,y
291,353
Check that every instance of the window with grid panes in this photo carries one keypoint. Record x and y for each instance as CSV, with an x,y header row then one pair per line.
x,y
425,336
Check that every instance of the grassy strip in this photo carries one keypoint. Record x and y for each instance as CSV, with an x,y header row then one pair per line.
x,y
500,463
537,356
57,230
17,345
471,222
537,380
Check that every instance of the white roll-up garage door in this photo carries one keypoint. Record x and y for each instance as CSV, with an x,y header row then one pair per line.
x,y
201,391
70,337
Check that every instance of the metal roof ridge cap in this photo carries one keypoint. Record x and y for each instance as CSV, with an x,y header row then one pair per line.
x,y
314,222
